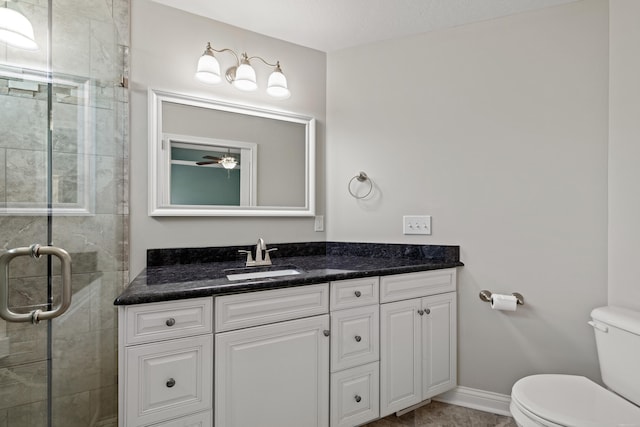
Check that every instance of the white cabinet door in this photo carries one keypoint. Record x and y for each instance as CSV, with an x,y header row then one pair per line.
x,y
400,356
417,350
439,346
274,375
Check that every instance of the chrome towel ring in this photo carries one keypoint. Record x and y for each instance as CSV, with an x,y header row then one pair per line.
x,y
361,177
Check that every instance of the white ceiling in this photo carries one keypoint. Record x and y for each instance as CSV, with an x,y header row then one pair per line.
x,y
330,25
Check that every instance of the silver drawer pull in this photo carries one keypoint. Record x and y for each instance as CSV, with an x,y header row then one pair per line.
x,y
357,398
427,311
35,251
326,332
171,382
421,312
171,321
358,338
358,294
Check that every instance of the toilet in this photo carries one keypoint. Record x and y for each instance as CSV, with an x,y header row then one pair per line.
x,y
571,400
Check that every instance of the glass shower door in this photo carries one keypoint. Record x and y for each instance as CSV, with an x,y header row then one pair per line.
x,y
62,183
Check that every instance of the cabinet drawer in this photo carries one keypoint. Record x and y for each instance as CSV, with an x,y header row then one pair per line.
x,y
165,320
354,337
420,284
354,396
263,307
168,379
202,419
354,293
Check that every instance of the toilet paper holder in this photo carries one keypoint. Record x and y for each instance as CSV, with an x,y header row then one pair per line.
x,y
486,296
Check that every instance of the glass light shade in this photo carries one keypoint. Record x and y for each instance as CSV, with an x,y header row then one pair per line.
x,y
208,69
16,30
228,162
277,85
245,77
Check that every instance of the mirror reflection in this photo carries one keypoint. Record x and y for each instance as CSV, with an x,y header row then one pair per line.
x,y
213,158
211,172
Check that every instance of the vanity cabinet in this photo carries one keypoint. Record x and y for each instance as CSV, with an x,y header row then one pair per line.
x,y
342,354
355,351
165,353
417,338
271,368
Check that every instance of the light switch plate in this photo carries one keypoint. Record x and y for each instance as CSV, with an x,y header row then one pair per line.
x,y
318,224
416,224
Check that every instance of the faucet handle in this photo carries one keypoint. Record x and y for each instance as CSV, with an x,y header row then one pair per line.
x,y
267,258
249,258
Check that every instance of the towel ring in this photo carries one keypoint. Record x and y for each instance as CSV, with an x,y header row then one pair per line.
x,y
361,177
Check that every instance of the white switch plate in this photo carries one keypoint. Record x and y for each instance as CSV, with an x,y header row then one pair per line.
x,y
318,224
416,224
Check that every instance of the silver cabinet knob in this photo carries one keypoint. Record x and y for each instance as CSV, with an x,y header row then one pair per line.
x,y
358,338
358,294
171,382
427,311
170,321
357,398
421,312
326,332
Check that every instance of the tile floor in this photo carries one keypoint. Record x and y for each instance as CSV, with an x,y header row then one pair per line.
x,y
437,414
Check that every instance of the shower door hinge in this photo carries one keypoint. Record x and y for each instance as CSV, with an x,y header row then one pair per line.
x,y
124,82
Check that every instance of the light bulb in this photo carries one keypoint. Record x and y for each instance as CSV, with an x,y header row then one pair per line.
x,y
245,77
228,162
16,30
208,70
277,84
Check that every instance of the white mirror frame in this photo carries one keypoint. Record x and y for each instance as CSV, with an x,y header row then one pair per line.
x,y
158,205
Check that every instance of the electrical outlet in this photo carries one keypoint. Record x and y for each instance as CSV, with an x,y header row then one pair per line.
x,y
416,224
318,224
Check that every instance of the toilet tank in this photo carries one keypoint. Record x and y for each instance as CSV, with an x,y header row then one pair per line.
x,y
618,341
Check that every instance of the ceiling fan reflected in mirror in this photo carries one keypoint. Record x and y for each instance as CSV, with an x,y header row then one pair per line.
x,y
227,161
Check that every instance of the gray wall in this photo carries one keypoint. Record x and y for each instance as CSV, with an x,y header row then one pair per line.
x,y
624,152
503,139
499,131
166,45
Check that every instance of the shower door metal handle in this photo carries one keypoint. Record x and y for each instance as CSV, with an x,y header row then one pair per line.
x,y
34,251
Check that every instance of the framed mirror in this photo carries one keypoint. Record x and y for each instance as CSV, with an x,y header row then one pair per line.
x,y
212,158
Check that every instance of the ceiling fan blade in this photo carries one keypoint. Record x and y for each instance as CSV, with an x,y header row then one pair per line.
x,y
206,163
217,159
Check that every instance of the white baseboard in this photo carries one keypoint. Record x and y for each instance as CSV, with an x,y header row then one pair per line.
x,y
481,400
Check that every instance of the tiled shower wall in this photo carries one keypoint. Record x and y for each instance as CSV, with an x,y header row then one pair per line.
x,y
90,170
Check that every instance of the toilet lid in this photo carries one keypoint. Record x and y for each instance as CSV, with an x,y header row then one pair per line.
x,y
571,400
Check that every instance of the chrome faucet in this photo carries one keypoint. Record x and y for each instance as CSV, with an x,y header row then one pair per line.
x,y
260,258
260,246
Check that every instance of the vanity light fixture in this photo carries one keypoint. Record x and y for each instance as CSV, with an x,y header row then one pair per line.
x,y
16,30
242,75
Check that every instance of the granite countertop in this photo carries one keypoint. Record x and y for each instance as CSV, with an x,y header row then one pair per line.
x,y
173,274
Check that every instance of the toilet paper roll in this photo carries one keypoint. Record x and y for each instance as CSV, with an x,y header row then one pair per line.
x,y
504,302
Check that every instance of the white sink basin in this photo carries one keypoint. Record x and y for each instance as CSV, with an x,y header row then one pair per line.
x,y
262,274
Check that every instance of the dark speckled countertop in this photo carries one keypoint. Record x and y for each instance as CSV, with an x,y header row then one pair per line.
x,y
173,274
